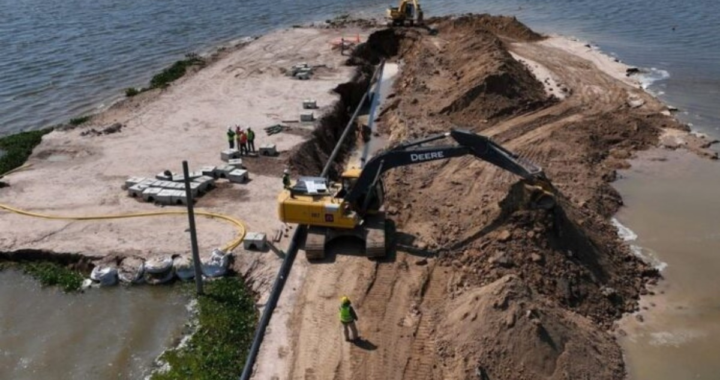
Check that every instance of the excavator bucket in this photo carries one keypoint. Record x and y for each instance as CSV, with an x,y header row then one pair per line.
x,y
540,195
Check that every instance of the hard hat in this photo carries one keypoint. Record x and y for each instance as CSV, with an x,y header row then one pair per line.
x,y
286,171
344,300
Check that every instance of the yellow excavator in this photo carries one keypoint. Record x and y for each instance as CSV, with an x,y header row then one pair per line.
x,y
353,207
408,12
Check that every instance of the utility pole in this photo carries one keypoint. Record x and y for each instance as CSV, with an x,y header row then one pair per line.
x,y
193,233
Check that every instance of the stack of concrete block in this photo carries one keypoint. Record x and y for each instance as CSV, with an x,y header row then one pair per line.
x,y
238,176
136,190
207,171
191,175
228,154
309,104
307,116
165,196
223,171
236,162
150,194
204,183
268,150
254,241
301,71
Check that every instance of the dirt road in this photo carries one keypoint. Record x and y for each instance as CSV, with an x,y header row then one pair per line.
x,y
462,231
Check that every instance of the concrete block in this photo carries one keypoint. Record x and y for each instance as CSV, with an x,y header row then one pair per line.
x,y
179,198
150,194
165,196
147,181
309,104
254,241
223,171
268,150
238,176
135,191
307,116
163,184
228,154
132,181
181,177
205,183
236,162
207,170
302,76
161,176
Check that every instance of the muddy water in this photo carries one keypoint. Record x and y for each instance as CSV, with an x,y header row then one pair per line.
x,y
673,207
113,333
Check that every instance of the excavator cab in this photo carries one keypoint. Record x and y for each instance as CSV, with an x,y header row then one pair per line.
x,y
370,202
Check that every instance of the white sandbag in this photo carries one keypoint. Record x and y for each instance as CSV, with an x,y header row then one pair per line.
x,y
105,275
217,265
159,265
184,268
131,270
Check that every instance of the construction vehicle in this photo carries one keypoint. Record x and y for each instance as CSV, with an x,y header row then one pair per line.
x,y
408,12
353,207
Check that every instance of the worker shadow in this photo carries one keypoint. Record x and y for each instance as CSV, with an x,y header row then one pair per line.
x,y
364,344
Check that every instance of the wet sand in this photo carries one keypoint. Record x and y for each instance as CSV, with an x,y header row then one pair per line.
x,y
672,205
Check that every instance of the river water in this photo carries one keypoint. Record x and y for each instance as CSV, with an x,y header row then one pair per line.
x,y
112,333
59,59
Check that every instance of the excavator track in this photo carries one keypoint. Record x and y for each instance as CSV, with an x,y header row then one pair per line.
x,y
315,243
375,243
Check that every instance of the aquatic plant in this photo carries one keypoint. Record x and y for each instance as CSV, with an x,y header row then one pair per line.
x,y
217,349
79,120
18,148
52,274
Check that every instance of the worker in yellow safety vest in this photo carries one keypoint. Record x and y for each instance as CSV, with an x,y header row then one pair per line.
x,y
348,318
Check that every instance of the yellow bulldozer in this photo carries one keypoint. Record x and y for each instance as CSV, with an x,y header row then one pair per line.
x,y
408,12
354,206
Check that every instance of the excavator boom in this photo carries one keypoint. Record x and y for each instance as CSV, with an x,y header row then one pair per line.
x,y
414,153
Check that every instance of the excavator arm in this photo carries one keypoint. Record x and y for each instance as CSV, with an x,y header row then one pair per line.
x,y
410,153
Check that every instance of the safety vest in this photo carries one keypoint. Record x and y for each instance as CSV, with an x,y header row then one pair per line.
x,y
345,314
231,136
251,135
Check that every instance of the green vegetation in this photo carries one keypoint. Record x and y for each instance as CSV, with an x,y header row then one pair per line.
x,y
217,350
18,148
169,75
131,91
79,120
52,274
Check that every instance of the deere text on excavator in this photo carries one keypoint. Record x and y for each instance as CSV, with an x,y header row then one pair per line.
x,y
354,207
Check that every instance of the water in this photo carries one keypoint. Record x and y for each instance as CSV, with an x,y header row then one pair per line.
x,y
60,59
672,207
113,333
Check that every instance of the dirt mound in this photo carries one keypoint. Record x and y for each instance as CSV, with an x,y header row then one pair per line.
x,y
568,255
502,26
506,331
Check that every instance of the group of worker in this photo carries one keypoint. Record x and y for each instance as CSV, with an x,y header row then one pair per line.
x,y
245,140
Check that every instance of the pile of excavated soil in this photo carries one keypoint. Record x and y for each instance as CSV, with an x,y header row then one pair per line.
x,y
473,214
507,331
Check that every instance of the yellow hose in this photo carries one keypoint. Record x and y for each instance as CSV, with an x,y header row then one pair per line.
x,y
227,248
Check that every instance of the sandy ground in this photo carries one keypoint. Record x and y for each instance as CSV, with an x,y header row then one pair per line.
x,y
76,175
